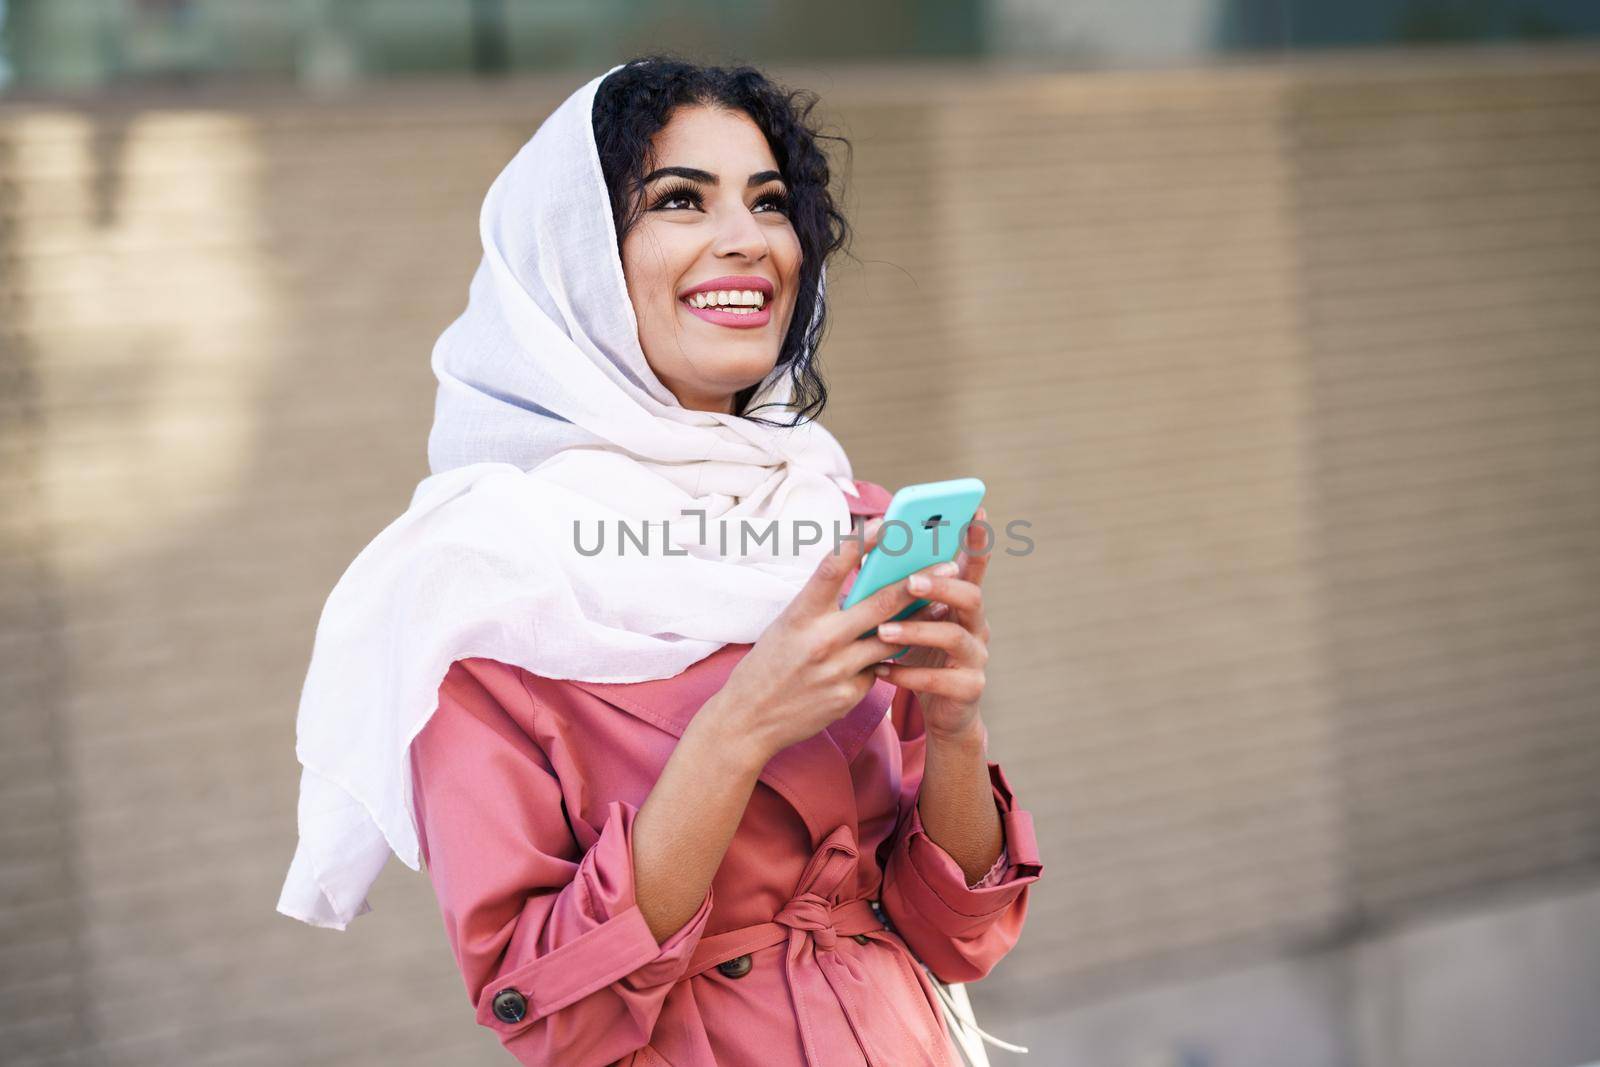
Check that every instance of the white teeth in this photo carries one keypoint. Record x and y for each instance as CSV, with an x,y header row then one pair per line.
x,y
730,298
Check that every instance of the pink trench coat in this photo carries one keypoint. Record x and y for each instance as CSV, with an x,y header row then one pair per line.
x,y
526,789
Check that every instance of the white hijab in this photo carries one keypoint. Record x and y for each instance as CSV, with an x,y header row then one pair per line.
x,y
547,416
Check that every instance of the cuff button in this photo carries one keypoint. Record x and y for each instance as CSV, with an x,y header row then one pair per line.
x,y
510,1006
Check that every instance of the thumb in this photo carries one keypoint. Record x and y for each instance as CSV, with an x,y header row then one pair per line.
x,y
825,586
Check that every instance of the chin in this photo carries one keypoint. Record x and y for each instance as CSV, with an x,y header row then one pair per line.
x,y
736,374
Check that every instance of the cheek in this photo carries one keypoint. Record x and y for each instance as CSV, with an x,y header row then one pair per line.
x,y
786,248
647,266
786,257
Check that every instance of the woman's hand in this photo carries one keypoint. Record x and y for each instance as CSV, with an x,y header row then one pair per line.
x,y
949,639
810,666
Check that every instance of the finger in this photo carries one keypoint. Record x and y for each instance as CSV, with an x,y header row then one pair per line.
x,y
932,611
926,657
863,652
917,655
964,598
871,534
961,648
883,604
823,589
963,685
976,550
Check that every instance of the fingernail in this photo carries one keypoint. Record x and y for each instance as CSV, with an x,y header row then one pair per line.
x,y
918,583
937,611
873,527
945,570
889,629
881,670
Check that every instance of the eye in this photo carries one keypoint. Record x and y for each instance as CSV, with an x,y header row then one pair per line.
x,y
779,201
674,193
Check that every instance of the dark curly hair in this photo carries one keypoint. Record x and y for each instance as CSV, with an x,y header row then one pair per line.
x,y
639,98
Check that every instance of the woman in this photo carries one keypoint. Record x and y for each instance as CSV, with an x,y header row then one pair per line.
x,y
673,808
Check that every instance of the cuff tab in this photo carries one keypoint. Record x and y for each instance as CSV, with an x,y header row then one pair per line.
x,y
592,961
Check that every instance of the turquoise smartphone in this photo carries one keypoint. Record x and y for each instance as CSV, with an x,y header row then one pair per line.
x,y
924,524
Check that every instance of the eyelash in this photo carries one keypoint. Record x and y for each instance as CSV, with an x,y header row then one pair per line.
x,y
690,192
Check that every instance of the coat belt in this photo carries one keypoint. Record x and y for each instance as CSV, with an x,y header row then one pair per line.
x,y
826,923
811,924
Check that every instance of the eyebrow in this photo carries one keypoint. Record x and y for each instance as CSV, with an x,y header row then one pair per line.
x,y
698,175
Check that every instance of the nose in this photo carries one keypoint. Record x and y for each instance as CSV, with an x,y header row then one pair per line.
x,y
741,235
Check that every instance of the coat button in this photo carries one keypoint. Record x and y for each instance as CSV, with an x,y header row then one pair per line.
x,y
510,1006
737,967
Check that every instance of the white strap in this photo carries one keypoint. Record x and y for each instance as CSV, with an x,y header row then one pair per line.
x,y
958,1011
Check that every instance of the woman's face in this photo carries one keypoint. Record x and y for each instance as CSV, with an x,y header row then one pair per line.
x,y
715,217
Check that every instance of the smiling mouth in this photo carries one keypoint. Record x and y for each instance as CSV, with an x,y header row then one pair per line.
x,y
744,310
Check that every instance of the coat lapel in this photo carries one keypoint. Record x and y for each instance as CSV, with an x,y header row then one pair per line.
x,y
813,775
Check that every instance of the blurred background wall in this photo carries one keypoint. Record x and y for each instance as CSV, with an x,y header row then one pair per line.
x,y
1277,323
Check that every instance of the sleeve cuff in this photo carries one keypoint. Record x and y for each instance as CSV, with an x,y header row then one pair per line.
x,y
619,948
937,886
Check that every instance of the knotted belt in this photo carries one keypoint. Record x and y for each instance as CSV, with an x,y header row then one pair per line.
x,y
812,923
